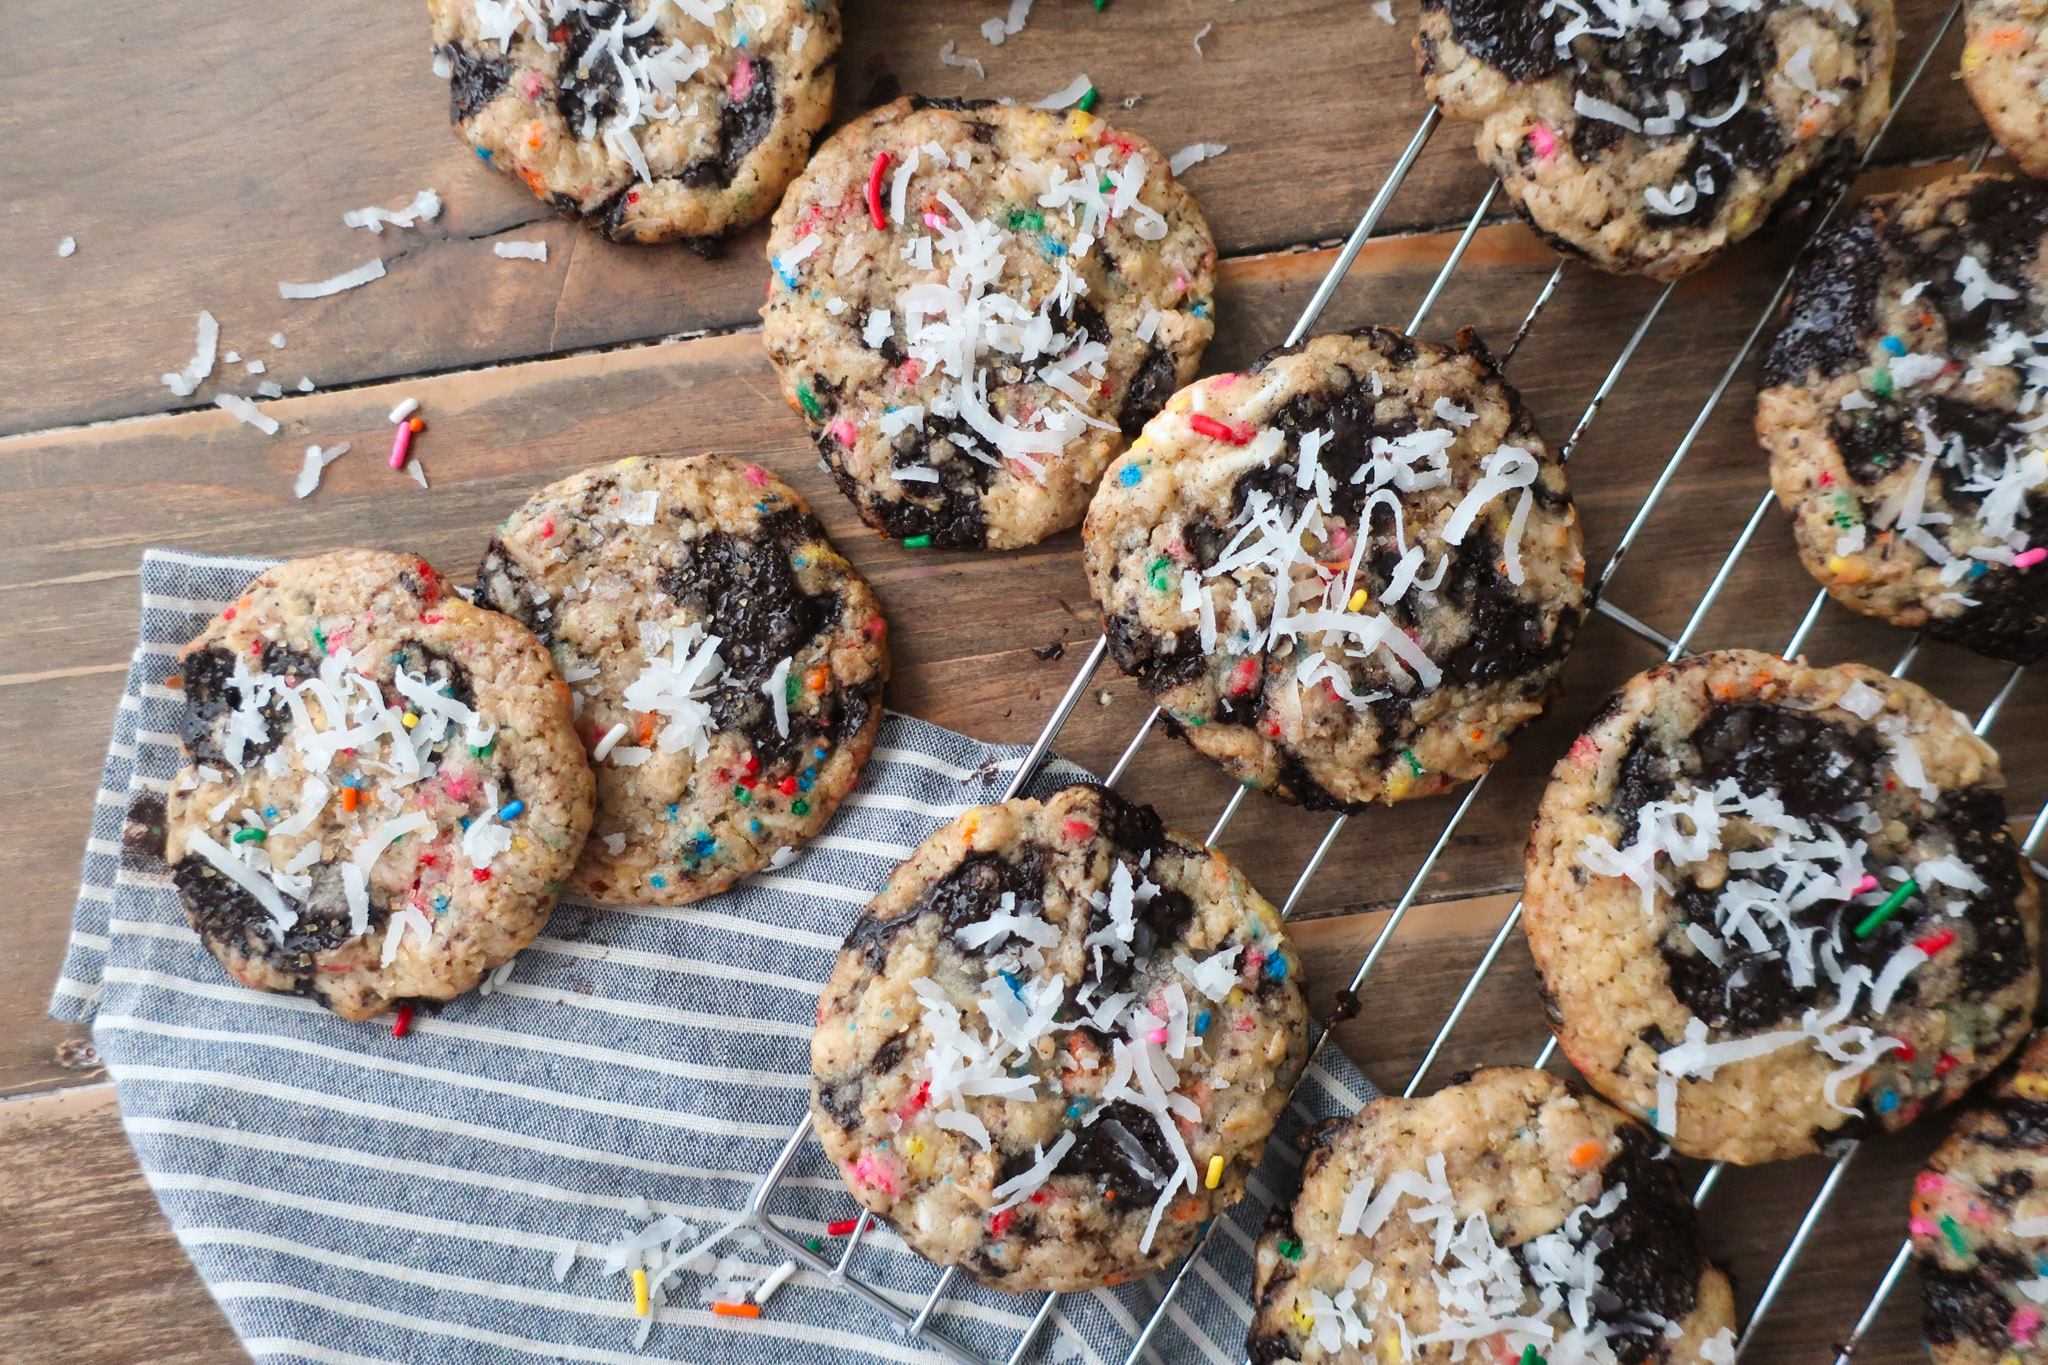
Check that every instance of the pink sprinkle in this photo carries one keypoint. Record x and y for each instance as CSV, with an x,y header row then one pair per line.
x,y
1244,1023
1929,1183
2027,559
934,222
877,1170
1157,1035
756,476
532,85
2024,1322
842,431
400,443
1339,538
742,78
1224,381
1869,883
1920,1227
1543,140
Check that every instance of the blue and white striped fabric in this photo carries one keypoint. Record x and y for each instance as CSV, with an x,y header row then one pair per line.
x,y
353,1198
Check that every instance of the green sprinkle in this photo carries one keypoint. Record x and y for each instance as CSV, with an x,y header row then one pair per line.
x,y
1088,100
810,402
1955,1235
1102,4
1291,1250
800,807
1881,383
320,639
1530,1356
1414,763
917,542
816,1244
479,750
789,688
1020,219
1157,574
250,836
746,798
1906,891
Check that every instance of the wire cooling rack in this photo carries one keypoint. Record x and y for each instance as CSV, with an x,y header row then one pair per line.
x,y
917,1323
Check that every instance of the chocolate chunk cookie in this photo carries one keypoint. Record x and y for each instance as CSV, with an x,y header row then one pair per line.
x,y
727,664
1775,906
383,791
975,305
1053,1046
1903,409
1649,143
1349,575
1980,1226
2005,65
1503,1212
648,119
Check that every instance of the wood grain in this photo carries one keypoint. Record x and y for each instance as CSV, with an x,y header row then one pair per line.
x,y
213,145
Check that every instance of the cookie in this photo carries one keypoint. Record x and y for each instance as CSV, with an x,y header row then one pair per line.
x,y
1901,407
648,120
1650,142
383,790
1980,1226
1775,906
1053,1046
727,665
1503,1212
974,305
1429,547
2004,68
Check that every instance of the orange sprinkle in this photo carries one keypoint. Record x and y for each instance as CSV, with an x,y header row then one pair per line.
x,y
417,425
2005,37
1187,1209
536,134
349,797
646,728
1585,1154
819,676
533,180
737,1310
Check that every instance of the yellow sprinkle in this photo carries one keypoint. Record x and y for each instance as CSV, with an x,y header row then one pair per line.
x,y
1303,1319
1236,997
1973,57
1081,123
915,1146
640,1291
970,825
1358,599
1215,1177
411,720
519,843
1398,783
2030,1085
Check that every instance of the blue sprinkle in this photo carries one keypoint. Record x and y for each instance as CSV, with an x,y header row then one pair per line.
x,y
819,752
484,152
512,811
1201,310
1895,346
658,880
465,822
705,843
1011,982
1887,1102
753,826
440,905
787,275
672,810
811,773
1202,1022
803,784
1074,1111
1276,967
1131,475
1979,570
270,812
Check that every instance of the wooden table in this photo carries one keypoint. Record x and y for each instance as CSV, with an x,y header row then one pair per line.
x,y
199,153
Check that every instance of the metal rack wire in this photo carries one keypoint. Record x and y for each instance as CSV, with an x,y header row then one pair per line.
x,y
917,1323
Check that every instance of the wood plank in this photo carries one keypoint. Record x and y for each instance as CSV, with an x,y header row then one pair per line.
x,y
65,1166
202,152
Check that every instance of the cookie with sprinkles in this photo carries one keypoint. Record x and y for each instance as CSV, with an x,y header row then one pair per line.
x,y
1053,1046
1980,1226
1503,1212
1775,906
727,665
1902,407
2005,69
1347,576
650,120
383,790
1648,138
974,305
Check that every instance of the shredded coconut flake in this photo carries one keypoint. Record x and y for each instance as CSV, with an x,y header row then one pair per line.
x,y
1068,95
1190,155
242,410
347,279
201,364
950,58
521,251
424,206
316,460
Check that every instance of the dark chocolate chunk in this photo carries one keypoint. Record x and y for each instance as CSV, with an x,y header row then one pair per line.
x,y
144,832
1151,385
1972,1303
1829,320
1123,1150
475,79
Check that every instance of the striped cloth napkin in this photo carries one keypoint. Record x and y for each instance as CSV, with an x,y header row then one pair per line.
x,y
350,1197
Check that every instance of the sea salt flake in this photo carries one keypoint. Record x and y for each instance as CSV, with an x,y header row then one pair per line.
x,y
242,410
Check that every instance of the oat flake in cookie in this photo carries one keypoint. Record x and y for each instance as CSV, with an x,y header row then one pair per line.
x,y
1503,1213
974,305
1980,1226
1903,407
1774,906
1649,142
649,119
1053,1046
1349,575
383,792
727,664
